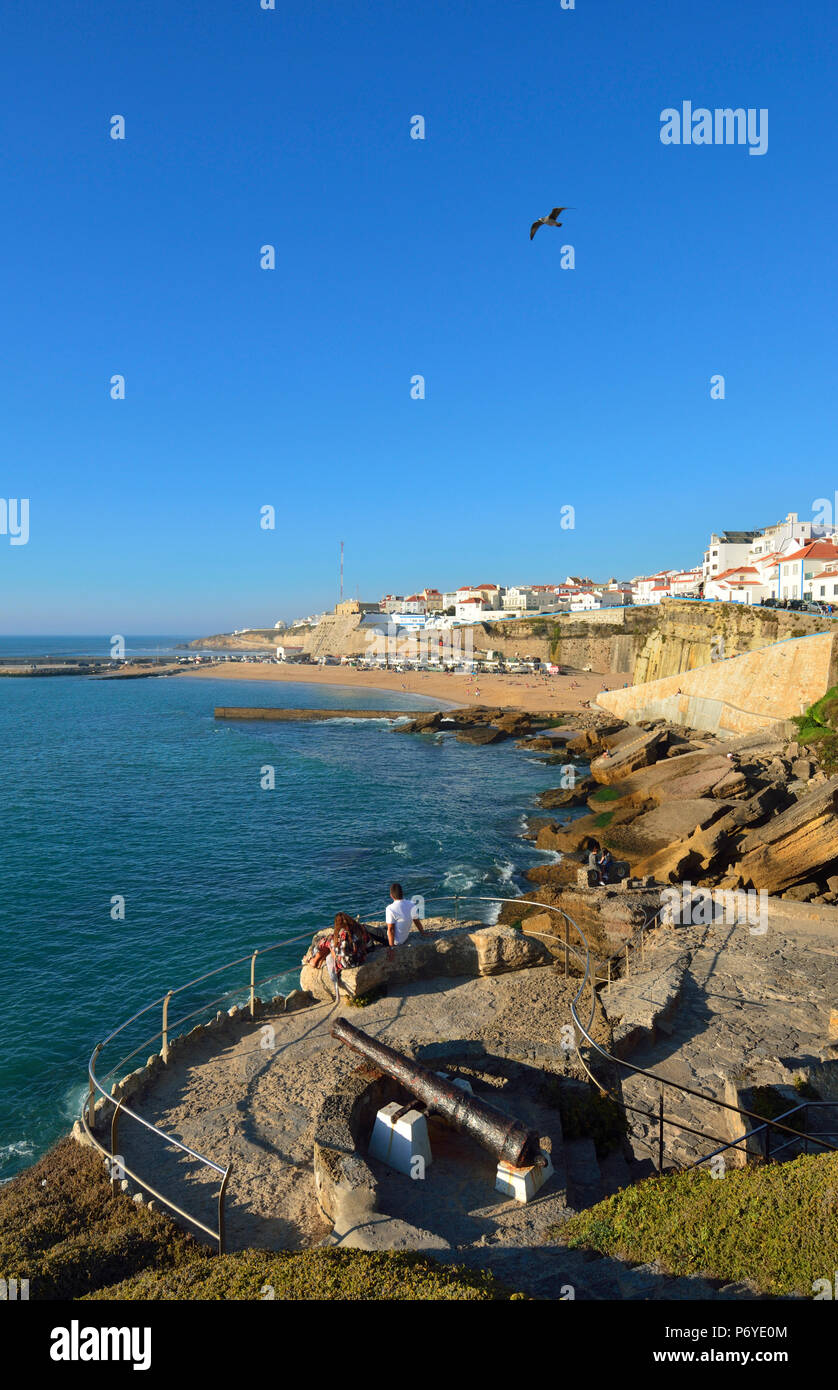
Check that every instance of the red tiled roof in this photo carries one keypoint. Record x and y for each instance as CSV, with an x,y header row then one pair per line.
x,y
734,569
815,550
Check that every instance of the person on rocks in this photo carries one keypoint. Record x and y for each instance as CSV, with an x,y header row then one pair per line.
x,y
400,916
346,947
604,865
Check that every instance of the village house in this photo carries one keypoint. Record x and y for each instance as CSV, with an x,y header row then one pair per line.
x,y
798,570
726,551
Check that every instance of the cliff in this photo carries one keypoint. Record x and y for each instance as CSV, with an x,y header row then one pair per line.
x,y
738,695
642,644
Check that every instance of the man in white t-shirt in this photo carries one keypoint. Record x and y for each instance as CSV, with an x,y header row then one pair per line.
x,y
400,916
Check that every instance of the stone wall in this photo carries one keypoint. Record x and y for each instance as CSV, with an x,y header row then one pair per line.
x,y
692,634
739,695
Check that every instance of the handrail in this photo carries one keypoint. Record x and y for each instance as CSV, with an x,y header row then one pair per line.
x,y
88,1119
662,1082
581,954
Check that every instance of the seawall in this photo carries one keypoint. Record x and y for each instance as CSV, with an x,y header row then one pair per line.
x,y
739,695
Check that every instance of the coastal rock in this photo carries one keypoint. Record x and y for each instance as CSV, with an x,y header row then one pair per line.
x,y
576,795
563,872
591,740
482,736
663,827
627,757
514,723
298,999
794,844
464,951
422,724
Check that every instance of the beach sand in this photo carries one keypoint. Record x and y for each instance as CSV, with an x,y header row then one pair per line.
x,y
524,692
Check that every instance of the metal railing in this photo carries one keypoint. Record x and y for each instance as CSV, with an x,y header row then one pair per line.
x,y
164,1034
661,1120
570,951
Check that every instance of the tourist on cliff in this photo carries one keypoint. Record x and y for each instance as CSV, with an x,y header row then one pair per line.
x,y
400,916
347,946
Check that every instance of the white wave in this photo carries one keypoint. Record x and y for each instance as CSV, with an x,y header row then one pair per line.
x,y
72,1102
349,719
461,877
23,1148
401,848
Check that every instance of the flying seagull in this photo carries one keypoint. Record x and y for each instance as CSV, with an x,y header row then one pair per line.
x,y
548,221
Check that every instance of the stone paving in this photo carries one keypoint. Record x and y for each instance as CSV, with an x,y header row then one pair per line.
x,y
750,1009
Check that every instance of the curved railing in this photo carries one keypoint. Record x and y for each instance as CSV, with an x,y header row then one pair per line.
x,y
571,950
163,1035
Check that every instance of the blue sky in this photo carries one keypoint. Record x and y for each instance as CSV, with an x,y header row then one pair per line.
x,y
544,387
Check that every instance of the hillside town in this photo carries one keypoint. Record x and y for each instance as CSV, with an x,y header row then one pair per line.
x,y
793,562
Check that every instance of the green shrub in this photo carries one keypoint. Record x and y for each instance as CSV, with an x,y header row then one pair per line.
x,y
775,1225
63,1229
321,1274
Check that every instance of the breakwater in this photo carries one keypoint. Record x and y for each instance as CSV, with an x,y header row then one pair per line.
x,y
297,716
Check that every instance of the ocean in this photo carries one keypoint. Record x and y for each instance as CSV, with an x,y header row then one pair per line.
x,y
130,790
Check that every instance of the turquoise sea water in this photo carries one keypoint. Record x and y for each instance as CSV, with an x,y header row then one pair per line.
x,y
131,788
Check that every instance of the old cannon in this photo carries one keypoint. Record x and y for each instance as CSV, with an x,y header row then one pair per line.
x,y
507,1139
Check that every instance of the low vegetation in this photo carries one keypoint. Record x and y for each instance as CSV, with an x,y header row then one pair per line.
x,y
63,1229
775,1226
817,729
318,1274
586,1112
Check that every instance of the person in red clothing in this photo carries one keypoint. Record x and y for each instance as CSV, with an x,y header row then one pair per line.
x,y
346,947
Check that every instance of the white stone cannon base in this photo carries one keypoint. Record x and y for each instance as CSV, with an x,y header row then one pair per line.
x,y
399,1143
523,1183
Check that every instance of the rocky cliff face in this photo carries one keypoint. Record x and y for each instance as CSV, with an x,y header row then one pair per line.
x,y
688,635
641,643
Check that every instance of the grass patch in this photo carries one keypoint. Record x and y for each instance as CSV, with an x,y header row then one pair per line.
x,y
775,1225
603,819
63,1229
606,794
315,1275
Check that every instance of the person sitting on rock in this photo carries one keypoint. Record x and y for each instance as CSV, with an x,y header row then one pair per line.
x,y
604,865
400,916
347,947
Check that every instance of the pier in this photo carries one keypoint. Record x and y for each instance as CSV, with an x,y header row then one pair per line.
x,y
308,715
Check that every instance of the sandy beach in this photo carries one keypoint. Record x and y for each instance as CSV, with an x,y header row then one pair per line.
x,y
525,692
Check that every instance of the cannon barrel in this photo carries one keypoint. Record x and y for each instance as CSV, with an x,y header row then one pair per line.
x,y
508,1139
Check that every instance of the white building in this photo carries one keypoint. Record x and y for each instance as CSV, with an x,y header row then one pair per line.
x,y
739,584
471,609
520,597
778,537
726,551
799,570
611,596
651,588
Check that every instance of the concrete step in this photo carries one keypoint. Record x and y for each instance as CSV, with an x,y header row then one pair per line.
x,y
584,1179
